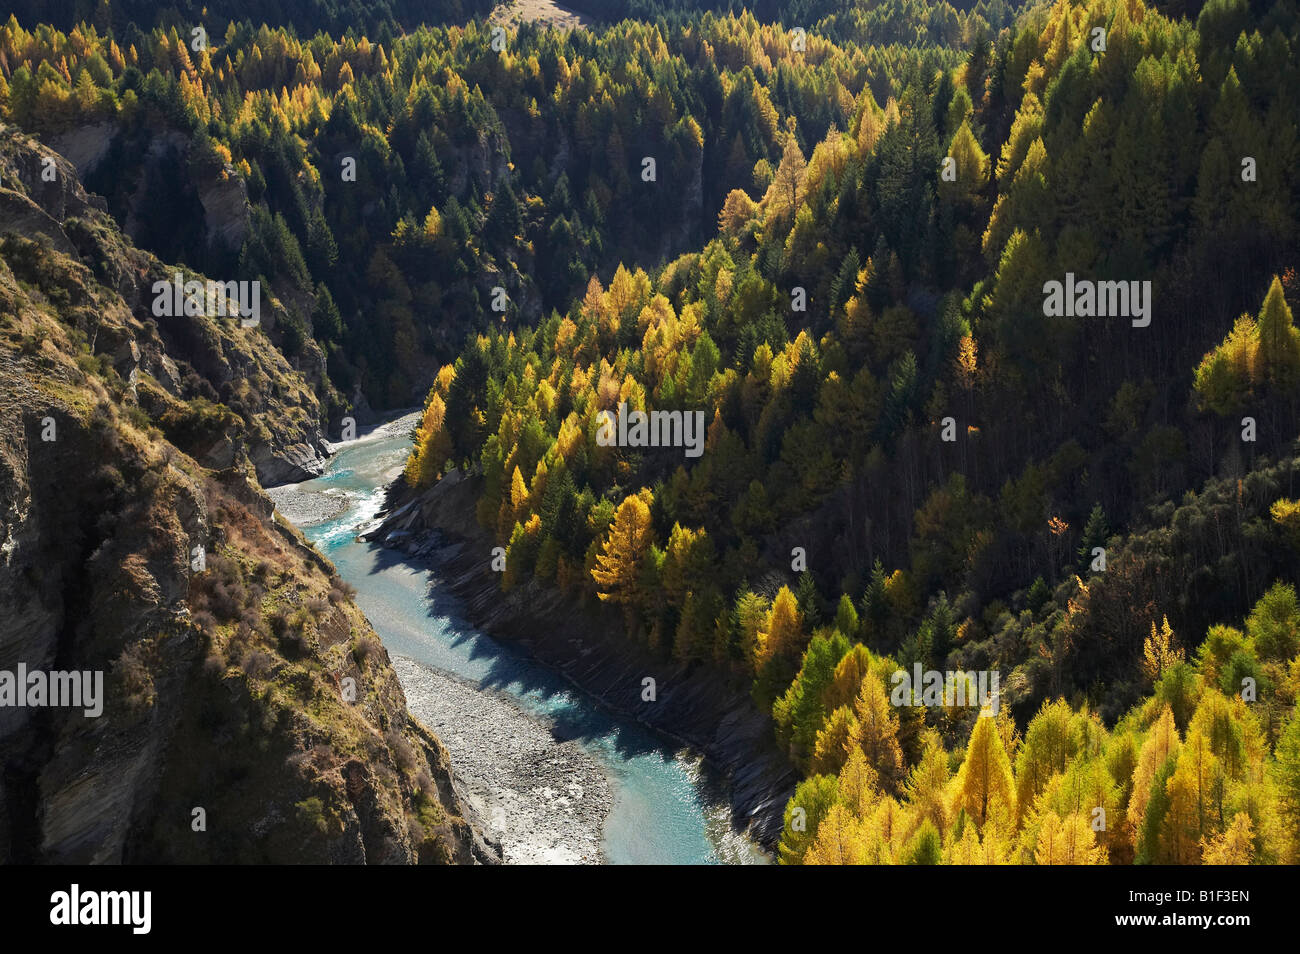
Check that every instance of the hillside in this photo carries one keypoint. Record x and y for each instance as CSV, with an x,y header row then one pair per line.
x,y
907,455
221,684
899,401
385,186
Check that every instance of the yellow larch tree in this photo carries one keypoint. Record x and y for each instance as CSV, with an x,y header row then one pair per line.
x,y
835,742
1160,651
877,732
984,786
1234,846
858,784
839,840
782,632
432,445
927,784
1161,743
1067,841
618,565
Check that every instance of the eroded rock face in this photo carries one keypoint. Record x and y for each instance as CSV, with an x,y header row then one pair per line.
x,y
277,415
225,207
85,146
288,465
248,712
221,193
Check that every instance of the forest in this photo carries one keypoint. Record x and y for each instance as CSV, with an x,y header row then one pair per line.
x,y
830,229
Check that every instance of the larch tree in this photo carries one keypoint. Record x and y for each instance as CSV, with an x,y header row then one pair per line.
x,y
884,831
618,565
1286,772
1068,841
1274,624
804,813
839,840
848,676
1049,744
985,787
971,168
687,560
859,783
518,494
925,847
737,212
965,849
1234,846
877,733
782,632
1188,815
927,784
1225,375
1161,744
748,619
787,189
1148,845
432,445
1160,651
801,712
1278,357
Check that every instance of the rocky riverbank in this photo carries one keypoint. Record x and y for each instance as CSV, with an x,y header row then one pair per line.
x,y
586,644
541,800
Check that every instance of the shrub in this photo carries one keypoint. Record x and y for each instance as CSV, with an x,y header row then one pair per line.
x,y
299,763
367,647
227,600
341,591
132,671
256,664
251,620
311,812
294,644
403,752
424,783
278,619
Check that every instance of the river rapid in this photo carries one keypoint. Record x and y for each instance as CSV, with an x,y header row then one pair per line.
x,y
553,776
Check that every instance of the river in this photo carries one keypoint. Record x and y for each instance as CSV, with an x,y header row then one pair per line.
x,y
553,775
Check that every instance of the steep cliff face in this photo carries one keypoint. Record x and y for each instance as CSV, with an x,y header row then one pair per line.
x,y
200,182
178,367
249,713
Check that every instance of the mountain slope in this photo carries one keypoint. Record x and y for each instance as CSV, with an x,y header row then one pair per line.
x,y
226,681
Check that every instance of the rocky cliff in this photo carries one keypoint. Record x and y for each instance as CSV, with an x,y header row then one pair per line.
x,y
179,368
249,713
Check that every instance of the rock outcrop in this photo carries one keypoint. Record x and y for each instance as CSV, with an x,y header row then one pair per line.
x,y
220,192
181,365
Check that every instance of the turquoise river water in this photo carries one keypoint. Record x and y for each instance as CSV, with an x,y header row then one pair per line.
x,y
667,806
